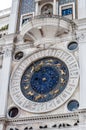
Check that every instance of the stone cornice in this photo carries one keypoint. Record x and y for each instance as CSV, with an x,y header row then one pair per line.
x,y
66,116
7,39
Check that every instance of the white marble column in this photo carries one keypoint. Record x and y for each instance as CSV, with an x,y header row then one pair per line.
x,y
54,7
37,8
82,62
5,74
4,82
14,16
57,8
81,9
2,126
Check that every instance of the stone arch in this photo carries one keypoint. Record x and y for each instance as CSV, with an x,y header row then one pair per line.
x,y
47,9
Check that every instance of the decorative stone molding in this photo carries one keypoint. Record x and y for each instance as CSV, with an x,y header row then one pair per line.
x,y
39,21
59,118
7,39
81,37
7,50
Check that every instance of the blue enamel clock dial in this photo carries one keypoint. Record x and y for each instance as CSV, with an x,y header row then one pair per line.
x,y
44,79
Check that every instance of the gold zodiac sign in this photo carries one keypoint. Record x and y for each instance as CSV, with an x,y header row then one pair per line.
x,y
39,66
26,87
27,75
56,91
62,80
32,69
58,65
50,60
44,96
38,97
62,72
30,93
49,64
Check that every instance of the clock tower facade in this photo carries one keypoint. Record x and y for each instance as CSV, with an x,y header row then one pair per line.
x,y
43,66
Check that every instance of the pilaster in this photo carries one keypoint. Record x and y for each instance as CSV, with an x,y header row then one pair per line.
x,y
36,8
5,70
54,7
81,9
2,126
5,74
14,16
82,62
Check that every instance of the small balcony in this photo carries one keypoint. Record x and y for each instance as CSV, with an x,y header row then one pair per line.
x,y
46,26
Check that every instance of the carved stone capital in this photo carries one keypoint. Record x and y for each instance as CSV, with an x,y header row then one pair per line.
x,y
7,50
81,37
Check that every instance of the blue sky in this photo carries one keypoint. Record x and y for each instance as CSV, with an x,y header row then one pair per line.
x,y
5,4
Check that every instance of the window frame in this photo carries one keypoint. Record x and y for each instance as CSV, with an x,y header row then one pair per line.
x,y
66,6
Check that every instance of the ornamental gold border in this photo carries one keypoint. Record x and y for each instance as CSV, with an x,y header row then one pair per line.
x,y
35,107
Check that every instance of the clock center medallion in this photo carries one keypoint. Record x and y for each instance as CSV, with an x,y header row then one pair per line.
x,y
45,80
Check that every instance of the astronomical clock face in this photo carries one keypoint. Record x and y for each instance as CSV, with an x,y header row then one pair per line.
x,y
44,81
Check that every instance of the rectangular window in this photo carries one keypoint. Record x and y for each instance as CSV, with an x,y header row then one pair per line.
x,y
25,20
67,11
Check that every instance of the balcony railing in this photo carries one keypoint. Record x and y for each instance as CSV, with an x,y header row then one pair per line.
x,y
71,22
